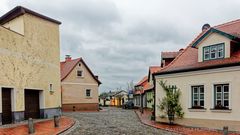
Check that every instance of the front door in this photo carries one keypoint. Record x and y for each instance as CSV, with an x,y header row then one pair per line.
x,y
32,104
6,106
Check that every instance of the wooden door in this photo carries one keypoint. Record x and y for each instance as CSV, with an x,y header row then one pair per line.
x,y
32,104
6,106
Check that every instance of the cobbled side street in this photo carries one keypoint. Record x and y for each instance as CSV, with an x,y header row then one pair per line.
x,y
112,121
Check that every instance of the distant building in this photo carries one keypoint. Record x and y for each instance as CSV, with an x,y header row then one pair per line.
x,y
79,86
118,98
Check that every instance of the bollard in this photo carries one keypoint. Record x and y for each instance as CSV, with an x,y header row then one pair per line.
x,y
31,129
225,130
56,121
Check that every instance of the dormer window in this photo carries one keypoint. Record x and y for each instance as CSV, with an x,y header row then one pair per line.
x,y
213,52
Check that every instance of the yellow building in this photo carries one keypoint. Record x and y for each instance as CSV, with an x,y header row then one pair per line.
x,y
29,63
118,98
79,86
207,73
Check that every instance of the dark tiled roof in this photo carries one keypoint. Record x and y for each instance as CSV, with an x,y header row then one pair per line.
x,y
19,10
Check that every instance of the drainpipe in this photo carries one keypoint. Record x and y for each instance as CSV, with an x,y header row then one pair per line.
x,y
154,97
142,100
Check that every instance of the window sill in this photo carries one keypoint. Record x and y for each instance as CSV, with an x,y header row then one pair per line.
x,y
197,110
222,110
88,97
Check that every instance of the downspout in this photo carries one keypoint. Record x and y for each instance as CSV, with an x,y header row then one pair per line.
x,y
154,97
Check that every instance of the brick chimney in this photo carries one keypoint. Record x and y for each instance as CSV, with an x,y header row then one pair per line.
x,y
68,58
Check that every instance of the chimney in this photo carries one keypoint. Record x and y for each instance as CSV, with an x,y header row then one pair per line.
x,y
68,58
96,76
205,27
180,50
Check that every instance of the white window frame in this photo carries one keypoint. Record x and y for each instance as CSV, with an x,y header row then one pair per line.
x,y
222,85
218,49
198,87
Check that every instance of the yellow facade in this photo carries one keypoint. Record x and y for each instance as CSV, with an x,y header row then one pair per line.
x,y
29,56
74,90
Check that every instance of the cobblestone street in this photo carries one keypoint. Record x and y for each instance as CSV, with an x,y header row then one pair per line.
x,y
112,121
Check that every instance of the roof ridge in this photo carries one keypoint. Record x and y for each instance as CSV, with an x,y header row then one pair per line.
x,y
20,10
227,23
170,52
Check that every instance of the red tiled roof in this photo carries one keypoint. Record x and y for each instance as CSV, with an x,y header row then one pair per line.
x,y
145,84
68,66
144,79
154,69
188,58
169,54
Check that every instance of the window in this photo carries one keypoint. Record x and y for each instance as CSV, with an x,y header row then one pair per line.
x,y
221,96
198,97
213,52
79,73
206,53
88,93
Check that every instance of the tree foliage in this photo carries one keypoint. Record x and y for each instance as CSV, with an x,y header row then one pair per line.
x,y
170,103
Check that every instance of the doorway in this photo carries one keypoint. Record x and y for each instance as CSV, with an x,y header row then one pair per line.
x,y
6,106
32,107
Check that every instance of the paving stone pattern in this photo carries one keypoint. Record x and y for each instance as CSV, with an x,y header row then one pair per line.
x,y
112,121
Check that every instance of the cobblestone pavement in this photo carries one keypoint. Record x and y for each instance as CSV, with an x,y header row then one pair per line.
x,y
112,121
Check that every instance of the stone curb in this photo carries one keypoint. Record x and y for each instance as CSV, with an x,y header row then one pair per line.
x,y
71,128
156,127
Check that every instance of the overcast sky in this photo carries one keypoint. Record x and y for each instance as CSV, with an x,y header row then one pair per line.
x,y
120,39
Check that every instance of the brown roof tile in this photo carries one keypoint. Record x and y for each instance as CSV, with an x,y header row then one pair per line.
x,y
68,66
188,58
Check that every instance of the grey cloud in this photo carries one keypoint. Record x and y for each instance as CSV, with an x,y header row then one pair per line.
x,y
120,39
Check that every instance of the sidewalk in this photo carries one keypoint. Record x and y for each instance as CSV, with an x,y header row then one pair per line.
x,y
41,128
145,119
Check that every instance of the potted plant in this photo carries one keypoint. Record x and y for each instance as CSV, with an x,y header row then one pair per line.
x,y
170,103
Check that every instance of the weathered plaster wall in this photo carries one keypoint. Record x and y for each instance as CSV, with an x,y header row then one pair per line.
x,y
31,61
17,25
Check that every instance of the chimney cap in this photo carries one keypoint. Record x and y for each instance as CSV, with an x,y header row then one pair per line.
x,y
205,26
68,58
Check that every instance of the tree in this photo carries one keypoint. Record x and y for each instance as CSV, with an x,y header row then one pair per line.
x,y
103,96
170,103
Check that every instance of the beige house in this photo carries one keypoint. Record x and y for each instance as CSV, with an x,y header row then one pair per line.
x,y
29,63
207,73
79,86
